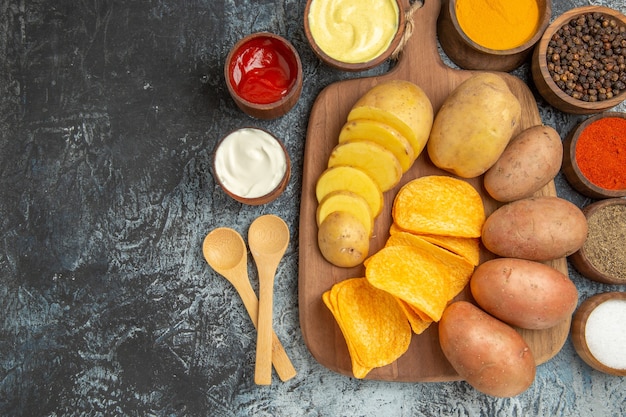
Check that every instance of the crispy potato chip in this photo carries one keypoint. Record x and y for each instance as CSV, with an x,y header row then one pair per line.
x,y
458,268
374,326
417,322
412,274
467,247
439,205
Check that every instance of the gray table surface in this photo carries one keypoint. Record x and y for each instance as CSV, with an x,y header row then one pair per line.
x,y
109,112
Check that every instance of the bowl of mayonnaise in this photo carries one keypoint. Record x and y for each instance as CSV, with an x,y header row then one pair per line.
x,y
354,35
251,166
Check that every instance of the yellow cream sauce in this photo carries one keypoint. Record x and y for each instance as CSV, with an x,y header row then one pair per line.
x,y
353,31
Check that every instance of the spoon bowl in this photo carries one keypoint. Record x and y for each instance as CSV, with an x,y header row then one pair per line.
x,y
268,238
225,251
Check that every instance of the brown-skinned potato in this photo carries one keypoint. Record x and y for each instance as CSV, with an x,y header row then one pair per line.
x,y
488,354
535,228
523,293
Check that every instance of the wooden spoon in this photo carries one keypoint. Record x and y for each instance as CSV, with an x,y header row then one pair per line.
x,y
268,238
225,251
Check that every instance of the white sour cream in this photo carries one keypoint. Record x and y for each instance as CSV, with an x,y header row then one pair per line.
x,y
250,163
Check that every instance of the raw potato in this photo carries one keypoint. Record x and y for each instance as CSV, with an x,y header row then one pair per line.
x,y
535,228
382,134
371,158
474,126
343,200
343,240
530,161
400,104
487,353
351,179
523,293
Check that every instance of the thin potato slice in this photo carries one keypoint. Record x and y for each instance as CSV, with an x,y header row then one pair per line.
x,y
375,328
439,205
467,247
343,200
382,134
460,270
413,275
350,179
400,104
376,161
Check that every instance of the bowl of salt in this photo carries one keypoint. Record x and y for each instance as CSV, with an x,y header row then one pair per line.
x,y
598,332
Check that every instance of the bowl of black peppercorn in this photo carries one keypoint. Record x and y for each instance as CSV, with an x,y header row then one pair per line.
x,y
579,65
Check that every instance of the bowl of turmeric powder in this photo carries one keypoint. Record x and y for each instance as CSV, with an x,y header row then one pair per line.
x,y
594,156
491,35
579,65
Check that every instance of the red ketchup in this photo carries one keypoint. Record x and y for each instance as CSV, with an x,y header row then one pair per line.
x,y
263,70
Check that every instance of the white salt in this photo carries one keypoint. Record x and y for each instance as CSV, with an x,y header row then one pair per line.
x,y
605,333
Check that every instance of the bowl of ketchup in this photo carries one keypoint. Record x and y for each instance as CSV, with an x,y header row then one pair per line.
x,y
263,74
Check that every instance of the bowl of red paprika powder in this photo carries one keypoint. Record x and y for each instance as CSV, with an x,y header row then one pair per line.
x,y
594,157
263,75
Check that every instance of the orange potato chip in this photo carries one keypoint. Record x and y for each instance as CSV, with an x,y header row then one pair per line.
x,y
467,247
417,322
439,205
458,268
412,274
374,326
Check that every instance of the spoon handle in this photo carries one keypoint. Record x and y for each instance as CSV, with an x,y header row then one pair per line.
x,y
282,363
263,367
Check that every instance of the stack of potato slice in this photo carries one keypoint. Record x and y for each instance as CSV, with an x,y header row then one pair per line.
x,y
385,132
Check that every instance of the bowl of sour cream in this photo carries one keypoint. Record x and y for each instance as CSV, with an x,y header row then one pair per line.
x,y
354,35
251,166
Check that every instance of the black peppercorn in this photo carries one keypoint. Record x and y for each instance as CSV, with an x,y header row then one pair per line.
x,y
586,57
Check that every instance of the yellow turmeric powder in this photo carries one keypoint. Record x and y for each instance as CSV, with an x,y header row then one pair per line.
x,y
498,24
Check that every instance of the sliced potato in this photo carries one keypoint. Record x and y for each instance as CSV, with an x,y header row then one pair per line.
x,y
350,179
382,134
400,104
373,159
343,200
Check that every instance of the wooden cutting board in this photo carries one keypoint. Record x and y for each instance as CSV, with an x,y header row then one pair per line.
x,y
421,64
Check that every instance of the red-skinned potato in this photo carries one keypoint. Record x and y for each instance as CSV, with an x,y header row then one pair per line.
x,y
535,228
487,353
523,293
530,161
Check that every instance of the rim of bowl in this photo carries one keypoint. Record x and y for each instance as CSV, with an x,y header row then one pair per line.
x,y
542,47
359,66
544,22
594,190
295,88
579,322
270,196
579,258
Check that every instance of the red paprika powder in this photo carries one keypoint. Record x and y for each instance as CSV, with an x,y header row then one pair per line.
x,y
601,153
